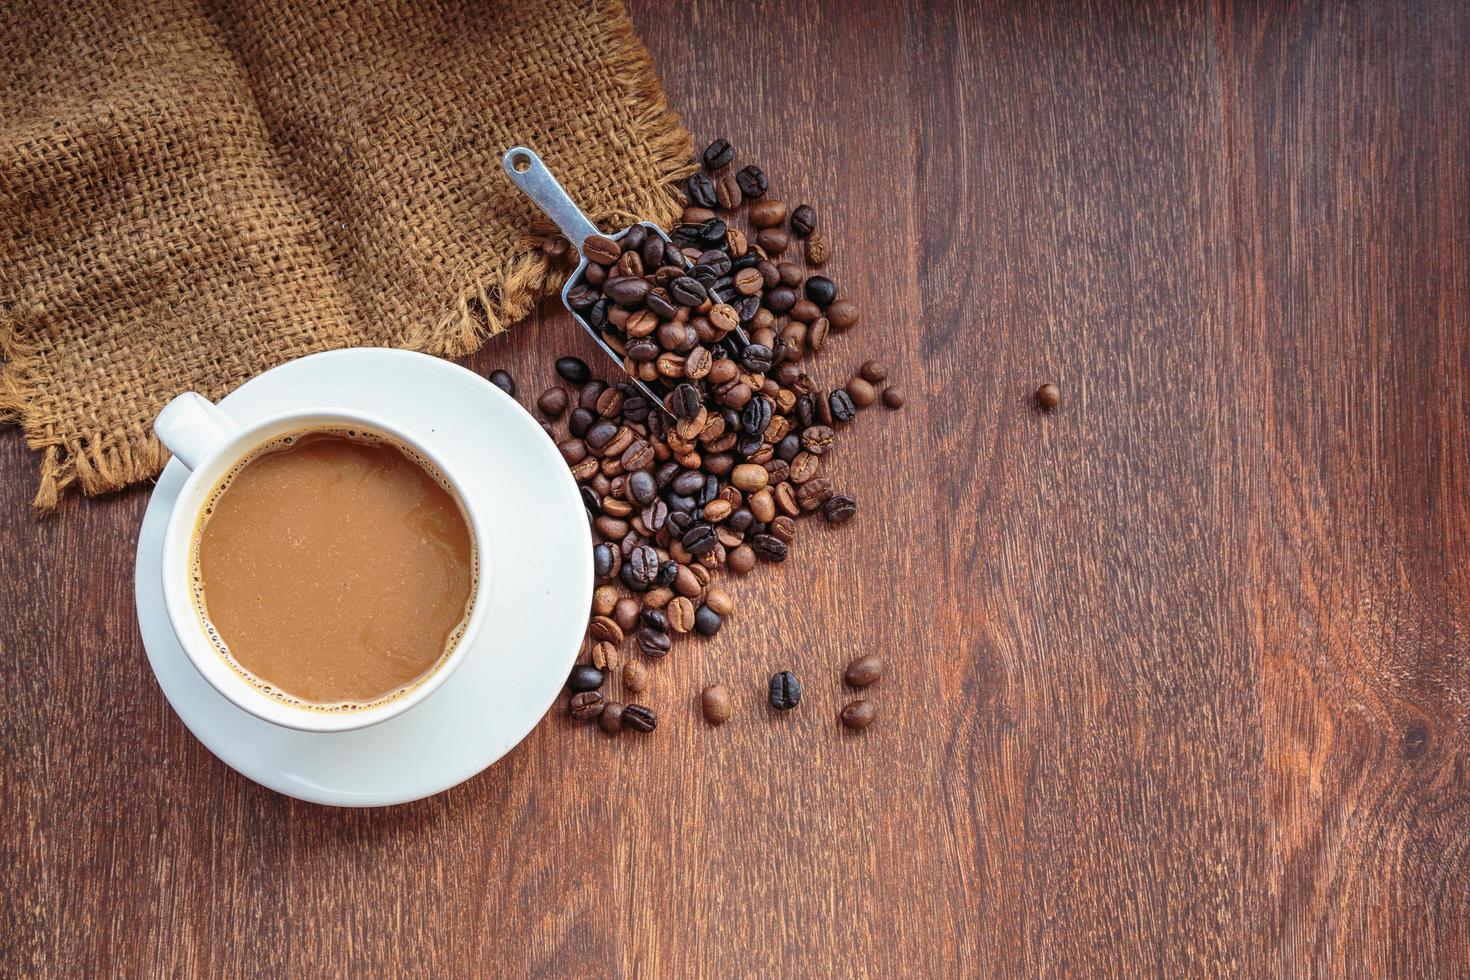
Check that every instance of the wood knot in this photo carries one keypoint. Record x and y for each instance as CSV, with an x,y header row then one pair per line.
x,y
1415,741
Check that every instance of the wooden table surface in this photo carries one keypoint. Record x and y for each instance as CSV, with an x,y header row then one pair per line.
x,y
1178,676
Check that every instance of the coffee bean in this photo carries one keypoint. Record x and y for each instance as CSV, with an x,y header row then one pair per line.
x,y
784,527
573,370
780,299
858,715
785,494
580,421
552,402
503,381
816,333
605,562
843,409
864,671
584,677
773,241
655,619
601,249
741,560
604,597
642,566
700,190
769,547
685,402
874,371
651,642
699,540
611,528
748,282
707,622
821,290
785,691
749,477
718,154
635,677
686,291
585,705
599,436
582,298
768,213
625,615
818,249
1048,396
839,509
716,704
680,612
893,397
843,314
605,629
639,718
861,391
752,181
816,439
803,220
611,718
727,193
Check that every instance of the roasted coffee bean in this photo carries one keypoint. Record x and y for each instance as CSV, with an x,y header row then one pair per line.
x,y
839,510
573,370
667,570
843,314
718,154
784,527
655,619
635,408
709,491
768,547
700,190
768,213
680,612
633,238
616,506
686,291
773,241
756,415
893,397
582,298
605,562
611,528
625,615
596,315
739,520
757,358
657,597
605,629
750,477
803,220
572,450
719,602
785,494
552,402
784,691
707,622
699,540
727,193
864,671
818,249
858,715
814,493
748,307
874,371
591,391
816,439
804,467
641,488
604,597
503,381
639,718
602,250
724,317
642,565
789,447
610,719
585,677
843,410
741,560
685,402
716,704
747,282
629,293
762,504
610,403
657,304
861,391
585,705
780,299
651,642
580,422
601,433
752,181
712,233
635,677
655,515
1048,396
806,412
821,290
805,311
652,252
688,483
638,456
716,261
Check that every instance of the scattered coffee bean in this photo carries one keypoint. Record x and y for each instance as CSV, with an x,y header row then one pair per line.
x,y
893,397
635,677
610,719
818,249
821,291
585,705
584,677
680,612
768,213
700,190
861,391
639,718
803,220
719,601
843,409
858,715
785,691
552,402
503,381
715,700
874,371
727,193
606,629
741,561
625,615
652,642
1048,396
773,241
602,250
839,510
605,656
707,622
864,671
843,314
718,154
752,181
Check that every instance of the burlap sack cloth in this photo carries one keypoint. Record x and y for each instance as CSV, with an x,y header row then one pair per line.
x,y
193,193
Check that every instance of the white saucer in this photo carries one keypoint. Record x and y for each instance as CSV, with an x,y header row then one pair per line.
x,y
541,575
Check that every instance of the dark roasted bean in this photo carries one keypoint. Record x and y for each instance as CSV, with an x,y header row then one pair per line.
x,y
700,190
629,293
699,540
839,510
816,439
503,381
585,677
641,487
821,290
591,391
685,402
611,718
642,566
843,410
752,181
580,422
605,562
803,220
585,705
601,249
601,434
652,642
707,622
639,718
552,402
573,370
769,547
756,358
633,238
686,291
718,154
780,299
655,619
893,396
773,241
784,691
858,715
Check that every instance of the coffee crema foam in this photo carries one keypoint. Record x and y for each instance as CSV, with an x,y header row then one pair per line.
x,y
196,573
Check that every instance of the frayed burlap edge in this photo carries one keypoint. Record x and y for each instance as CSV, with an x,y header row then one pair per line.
x,y
495,297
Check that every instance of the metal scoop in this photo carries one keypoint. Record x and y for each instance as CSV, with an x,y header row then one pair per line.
x,y
527,172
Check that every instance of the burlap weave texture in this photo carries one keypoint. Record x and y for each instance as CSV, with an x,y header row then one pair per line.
x,y
193,193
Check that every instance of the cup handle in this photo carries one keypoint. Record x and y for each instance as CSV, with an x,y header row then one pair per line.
x,y
191,427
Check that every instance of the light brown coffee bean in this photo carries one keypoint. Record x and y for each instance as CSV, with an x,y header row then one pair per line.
x,y
701,573
696,216
605,630
735,238
586,705
767,213
893,397
818,249
774,241
680,613
786,499
865,670
719,601
716,511
723,371
805,311
749,477
585,470
843,314
686,583
616,506
601,249
784,528
625,614
748,282
804,467
741,559
763,505
635,677
724,318
859,715
604,598
658,597
641,324
874,371
605,656
727,193
717,705
861,391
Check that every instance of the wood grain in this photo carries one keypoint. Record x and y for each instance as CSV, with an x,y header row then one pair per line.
x,y
1178,681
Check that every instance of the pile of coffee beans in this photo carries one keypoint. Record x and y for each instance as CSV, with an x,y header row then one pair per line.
x,y
716,474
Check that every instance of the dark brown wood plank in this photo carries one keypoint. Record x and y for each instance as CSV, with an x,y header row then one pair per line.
x,y
1178,681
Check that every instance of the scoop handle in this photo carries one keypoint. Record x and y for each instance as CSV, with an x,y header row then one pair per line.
x,y
526,171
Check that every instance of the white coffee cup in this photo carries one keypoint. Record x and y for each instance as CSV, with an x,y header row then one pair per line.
x,y
208,442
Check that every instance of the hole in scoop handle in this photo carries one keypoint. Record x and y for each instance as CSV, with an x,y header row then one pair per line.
x,y
191,427
527,172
